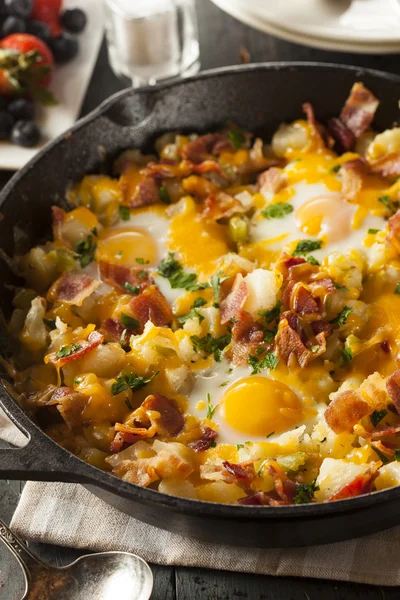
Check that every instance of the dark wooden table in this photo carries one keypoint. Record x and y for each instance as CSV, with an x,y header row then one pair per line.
x,y
221,38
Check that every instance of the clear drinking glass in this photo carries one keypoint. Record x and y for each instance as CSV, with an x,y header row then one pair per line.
x,y
152,40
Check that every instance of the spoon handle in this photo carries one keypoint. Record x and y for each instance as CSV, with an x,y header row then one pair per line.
x,y
26,559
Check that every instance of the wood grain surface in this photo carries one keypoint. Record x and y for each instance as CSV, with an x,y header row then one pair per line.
x,y
221,40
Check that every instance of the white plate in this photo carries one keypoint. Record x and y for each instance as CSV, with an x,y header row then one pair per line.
x,y
69,86
252,18
376,21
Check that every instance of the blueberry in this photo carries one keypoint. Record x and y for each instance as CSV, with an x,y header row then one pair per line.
x,y
21,109
74,20
6,123
19,8
13,25
64,47
39,29
25,133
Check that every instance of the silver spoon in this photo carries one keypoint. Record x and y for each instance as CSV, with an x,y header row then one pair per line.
x,y
99,576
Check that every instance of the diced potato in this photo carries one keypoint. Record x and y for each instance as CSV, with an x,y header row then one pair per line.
x,y
219,491
389,476
384,143
177,487
263,287
334,474
34,334
104,361
295,136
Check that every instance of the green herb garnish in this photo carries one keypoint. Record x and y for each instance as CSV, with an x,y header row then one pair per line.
x,y
305,246
382,456
164,195
216,281
65,351
210,345
210,408
305,492
50,323
342,316
133,382
124,213
269,361
340,287
272,314
347,355
129,322
86,250
236,137
128,403
278,210
397,289
132,289
313,261
334,169
373,230
172,270
377,416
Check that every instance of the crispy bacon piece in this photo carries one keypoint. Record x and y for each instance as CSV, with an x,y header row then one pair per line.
x,y
316,127
362,484
114,331
58,216
384,431
393,389
70,404
204,146
304,302
291,341
271,181
243,473
246,336
325,282
352,177
359,109
73,288
284,487
321,326
170,421
344,138
232,305
119,275
94,339
221,206
152,306
346,410
209,435
146,193
208,166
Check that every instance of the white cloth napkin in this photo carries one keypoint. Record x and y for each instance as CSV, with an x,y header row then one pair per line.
x,y
68,515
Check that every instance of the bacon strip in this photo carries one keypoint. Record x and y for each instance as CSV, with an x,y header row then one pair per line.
x,y
146,193
94,339
359,109
119,275
384,431
71,405
316,127
243,473
393,389
271,181
152,306
73,288
204,146
352,177
209,436
221,206
346,410
170,421
344,138
232,305
304,302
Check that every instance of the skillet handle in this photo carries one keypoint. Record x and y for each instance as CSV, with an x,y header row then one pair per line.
x,y
41,459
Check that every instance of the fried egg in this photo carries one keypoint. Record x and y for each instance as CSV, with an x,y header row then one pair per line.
x,y
248,407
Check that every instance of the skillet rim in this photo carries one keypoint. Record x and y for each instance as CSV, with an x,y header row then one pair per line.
x,y
88,474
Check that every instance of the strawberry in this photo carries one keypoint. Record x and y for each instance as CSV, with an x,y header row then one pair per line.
x,y
48,11
26,66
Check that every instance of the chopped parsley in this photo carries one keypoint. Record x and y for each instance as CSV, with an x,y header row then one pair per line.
x,y
132,289
65,351
172,270
124,213
278,210
340,287
396,455
305,246
270,361
212,444
397,289
269,434
269,335
216,281
313,261
272,314
194,312
377,416
210,407
86,250
223,384
78,380
236,137
305,492
142,274
210,345
133,382
347,355
164,195
392,206
129,322
239,446
119,254
141,261
128,403
382,456
342,317
334,169
50,323
372,231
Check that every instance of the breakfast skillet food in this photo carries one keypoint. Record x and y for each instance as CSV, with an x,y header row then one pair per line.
x,y
221,321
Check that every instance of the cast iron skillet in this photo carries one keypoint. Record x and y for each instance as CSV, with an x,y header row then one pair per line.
x,y
258,97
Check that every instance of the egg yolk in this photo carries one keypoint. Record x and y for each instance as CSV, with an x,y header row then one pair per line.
x,y
127,247
258,406
326,216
